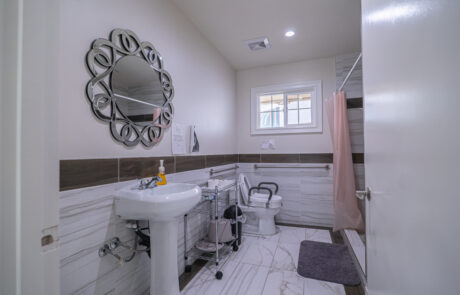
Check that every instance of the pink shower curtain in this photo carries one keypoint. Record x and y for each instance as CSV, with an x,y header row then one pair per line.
x,y
346,212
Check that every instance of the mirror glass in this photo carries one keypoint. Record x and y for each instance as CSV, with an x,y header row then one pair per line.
x,y
138,90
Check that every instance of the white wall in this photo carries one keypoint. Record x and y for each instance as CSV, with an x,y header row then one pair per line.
x,y
320,69
204,82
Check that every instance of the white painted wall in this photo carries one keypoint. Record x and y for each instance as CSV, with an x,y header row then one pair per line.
x,y
412,145
320,69
204,82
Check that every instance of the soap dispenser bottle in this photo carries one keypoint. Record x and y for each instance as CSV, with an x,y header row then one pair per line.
x,y
161,174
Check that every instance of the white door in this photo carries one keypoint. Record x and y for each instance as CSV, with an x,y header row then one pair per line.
x,y
411,70
29,170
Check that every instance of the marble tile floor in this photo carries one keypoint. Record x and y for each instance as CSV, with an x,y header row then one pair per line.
x,y
265,266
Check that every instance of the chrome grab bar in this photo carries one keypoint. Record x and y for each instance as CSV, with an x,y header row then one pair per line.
x,y
294,167
214,171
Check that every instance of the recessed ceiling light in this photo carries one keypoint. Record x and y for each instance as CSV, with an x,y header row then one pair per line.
x,y
289,33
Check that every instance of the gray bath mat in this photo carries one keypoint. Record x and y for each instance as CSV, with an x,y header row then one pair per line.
x,y
327,262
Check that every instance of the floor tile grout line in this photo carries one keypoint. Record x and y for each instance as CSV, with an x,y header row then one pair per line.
x,y
265,282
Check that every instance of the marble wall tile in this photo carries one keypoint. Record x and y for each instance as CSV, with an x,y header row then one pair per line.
x,y
359,176
307,193
358,247
88,219
356,125
343,64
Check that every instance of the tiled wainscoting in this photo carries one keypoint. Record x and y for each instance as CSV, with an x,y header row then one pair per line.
x,y
87,218
307,193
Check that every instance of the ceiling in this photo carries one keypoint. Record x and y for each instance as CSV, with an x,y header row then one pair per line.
x,y
323,28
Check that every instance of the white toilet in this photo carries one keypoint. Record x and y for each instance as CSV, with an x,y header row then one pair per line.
x,y
259,210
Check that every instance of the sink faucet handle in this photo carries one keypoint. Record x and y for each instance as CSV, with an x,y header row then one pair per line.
x,y
141,183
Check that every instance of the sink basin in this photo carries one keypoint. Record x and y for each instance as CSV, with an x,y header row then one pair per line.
x,y
161,203
162,206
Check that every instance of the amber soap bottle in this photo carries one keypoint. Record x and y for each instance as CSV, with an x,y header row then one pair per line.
x,y
161,174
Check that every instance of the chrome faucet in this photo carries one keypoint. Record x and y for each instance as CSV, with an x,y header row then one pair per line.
x,y
148,184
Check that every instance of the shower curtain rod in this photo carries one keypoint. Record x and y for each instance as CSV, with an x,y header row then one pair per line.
x,y
351,71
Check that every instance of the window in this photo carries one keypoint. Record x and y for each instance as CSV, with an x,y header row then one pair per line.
x,y
290,108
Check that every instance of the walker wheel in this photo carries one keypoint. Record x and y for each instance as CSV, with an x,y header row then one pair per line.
x,y
219,275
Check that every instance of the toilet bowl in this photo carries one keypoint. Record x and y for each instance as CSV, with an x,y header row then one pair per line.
x,y
259,209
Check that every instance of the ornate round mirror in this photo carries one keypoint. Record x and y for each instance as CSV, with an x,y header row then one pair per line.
x,y
129,88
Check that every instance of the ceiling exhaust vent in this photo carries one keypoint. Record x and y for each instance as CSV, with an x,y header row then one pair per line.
x,y
258,44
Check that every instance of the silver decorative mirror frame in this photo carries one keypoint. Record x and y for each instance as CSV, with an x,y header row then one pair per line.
x,y
101,61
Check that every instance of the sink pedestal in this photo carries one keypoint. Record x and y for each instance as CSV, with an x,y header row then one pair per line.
x,y
162,206
163,258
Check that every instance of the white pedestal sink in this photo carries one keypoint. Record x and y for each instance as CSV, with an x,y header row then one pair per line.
x,y
162,206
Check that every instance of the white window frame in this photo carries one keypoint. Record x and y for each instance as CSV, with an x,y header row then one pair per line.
x,y
313,87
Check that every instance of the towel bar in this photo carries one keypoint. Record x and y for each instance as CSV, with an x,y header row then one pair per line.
x,y
214,171
293,167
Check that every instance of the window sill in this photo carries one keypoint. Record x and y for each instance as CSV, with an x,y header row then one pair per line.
x,y
287,130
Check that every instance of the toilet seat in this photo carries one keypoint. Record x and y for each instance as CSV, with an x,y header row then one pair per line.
x,y
257,199
260,200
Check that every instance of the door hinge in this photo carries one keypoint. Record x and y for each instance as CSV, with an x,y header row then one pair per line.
x,y
50,238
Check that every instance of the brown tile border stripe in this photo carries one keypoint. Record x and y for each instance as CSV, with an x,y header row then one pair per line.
x,y
279,158
216,160
316,158
132,168
249,158
354,103
90,172
186,163
358,158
